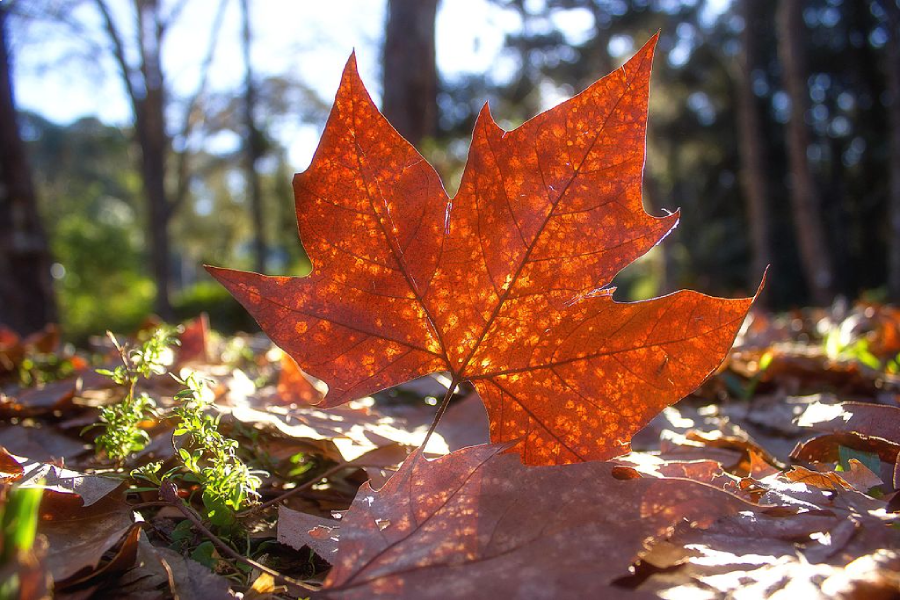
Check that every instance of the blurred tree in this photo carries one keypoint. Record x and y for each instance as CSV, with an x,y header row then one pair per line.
x,y
892,70
254,146
410,73
145,84
92,196
215,227
711,122
804,193
754,151
27,301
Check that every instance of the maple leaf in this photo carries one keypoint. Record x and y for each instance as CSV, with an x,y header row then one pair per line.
x,y
505,285
476,523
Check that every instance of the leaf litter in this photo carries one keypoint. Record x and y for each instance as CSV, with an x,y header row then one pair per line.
x,y
778,475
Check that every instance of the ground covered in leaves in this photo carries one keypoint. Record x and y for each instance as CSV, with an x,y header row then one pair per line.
x,y
779,475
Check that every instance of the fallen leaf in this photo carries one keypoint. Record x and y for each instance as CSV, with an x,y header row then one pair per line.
x,y
89,488
872,420
506,285
345,433
783,554
294,385
43,444
164,569
825,448
39,401
465,423
860,476
194,341
828,480
743,443
79,536
478,523
10,468
297,529
122,560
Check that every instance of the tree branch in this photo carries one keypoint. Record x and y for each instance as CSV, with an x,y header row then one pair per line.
x,y
182,176
119,52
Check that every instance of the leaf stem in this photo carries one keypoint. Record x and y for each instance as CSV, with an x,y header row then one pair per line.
x,y
169,494
441,410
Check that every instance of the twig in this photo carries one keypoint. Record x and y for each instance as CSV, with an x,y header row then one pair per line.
x,y
168,493
154,504
301,488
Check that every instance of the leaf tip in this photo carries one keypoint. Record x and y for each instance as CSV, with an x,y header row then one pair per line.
x,y
351,61
485,121
762,283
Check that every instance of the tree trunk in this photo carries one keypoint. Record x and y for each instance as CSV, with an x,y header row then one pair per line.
x,y
154,141
150,126
146,90
253,148
410,72
805,200
893,86
754,170
27,302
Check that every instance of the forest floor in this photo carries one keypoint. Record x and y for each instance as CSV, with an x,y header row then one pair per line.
x,y
800,426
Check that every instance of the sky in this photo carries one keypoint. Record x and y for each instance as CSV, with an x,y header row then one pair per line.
x,y
64,77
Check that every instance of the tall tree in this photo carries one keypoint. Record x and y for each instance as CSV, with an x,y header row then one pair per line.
x,y
410,72
892,68
804,195
254,145
27,302
146,86
754,172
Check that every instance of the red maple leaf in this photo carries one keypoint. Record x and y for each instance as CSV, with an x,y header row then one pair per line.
x,y
505,285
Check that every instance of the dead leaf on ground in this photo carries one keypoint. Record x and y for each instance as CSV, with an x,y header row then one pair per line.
x,y
825,448
79,536
871,420
89,488
828,480
297,529
158,570
344,433
32,402
478,522
40,443
294,386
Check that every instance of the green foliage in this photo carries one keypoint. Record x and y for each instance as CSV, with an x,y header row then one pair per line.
x,y
90,197
209,458
122,434
841,345
42,368
227,482
19,521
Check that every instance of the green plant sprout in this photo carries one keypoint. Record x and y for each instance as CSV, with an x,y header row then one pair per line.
x,y
209,458
122,434
227,482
